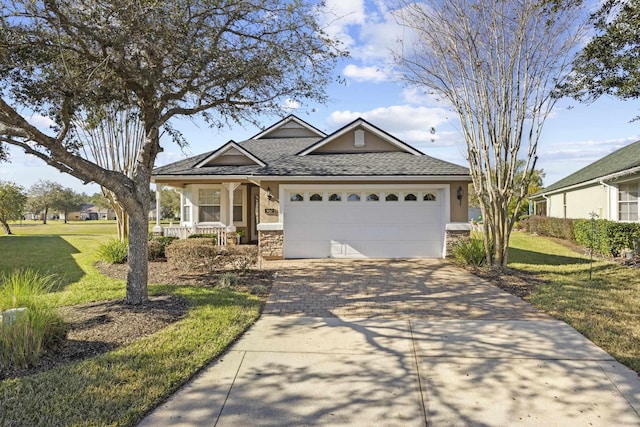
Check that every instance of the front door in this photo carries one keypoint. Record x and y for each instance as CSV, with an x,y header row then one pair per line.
x,y
255,209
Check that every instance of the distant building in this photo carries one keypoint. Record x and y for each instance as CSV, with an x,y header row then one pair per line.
x,y
90,212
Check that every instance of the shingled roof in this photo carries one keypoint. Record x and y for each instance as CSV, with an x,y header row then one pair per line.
x,y
282,158
618,162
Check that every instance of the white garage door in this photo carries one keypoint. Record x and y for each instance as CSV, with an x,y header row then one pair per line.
x,y
363,222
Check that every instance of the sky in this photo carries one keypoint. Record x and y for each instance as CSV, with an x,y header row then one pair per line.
x,y
574,135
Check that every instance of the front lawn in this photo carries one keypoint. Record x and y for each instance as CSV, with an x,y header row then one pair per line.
x,y
119,387
605,308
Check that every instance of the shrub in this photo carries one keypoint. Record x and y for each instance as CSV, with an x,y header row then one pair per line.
x,y
114,251
202,254
23,340
561,228
470,252
608,238
228,280
157,247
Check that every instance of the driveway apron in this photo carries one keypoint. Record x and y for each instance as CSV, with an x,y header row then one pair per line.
x,y
403,343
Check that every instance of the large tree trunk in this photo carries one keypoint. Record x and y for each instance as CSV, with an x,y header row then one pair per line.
x,y
137,275
7,230
44,216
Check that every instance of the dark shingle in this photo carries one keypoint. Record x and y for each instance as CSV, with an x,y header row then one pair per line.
x,y
620,160
280,155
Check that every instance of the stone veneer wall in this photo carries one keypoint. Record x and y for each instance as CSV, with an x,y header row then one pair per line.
x,y
271,244
454,236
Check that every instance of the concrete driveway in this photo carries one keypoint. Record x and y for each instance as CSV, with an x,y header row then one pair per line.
x,y
403,343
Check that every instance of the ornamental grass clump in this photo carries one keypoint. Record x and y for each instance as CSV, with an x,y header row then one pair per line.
x,y
35,326
470,252
114,251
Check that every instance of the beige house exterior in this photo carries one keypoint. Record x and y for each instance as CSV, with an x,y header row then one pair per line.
x,y
606,189
300,193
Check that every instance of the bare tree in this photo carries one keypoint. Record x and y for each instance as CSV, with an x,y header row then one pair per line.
x,y
227,61
112,139
497,62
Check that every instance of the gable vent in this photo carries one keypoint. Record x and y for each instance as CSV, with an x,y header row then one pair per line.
x,y
358,140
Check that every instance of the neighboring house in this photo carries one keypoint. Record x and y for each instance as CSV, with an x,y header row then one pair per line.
x,y
90,212
300,193
607,187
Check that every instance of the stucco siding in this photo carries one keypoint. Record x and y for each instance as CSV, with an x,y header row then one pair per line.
x,y
579,203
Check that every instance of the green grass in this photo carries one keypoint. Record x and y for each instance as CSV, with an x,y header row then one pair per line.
x,y
116,388
605,308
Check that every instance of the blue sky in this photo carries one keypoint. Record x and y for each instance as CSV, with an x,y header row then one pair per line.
x,y
574,136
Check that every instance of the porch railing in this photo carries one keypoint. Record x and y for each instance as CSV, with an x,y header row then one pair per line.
x,y
182,232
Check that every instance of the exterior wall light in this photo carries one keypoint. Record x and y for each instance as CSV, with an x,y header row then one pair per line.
x,y
459,195
269,194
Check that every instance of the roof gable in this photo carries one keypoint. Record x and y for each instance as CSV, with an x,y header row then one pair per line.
x,y
290,127
608,167
359,136
230,154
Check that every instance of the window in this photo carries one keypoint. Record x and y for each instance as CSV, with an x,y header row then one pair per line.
x,y
186,212
353,197
209,205
315,197
335,197
296,197
429,197
410,197
238,212
373,197
391,197
628,202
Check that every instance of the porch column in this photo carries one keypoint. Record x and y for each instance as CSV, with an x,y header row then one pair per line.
x,y
157,229
231,187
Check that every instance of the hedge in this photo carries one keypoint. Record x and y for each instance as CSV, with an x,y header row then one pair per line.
x,y
560,228
606,237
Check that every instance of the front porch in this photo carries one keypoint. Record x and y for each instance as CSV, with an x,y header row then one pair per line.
x,y
182,232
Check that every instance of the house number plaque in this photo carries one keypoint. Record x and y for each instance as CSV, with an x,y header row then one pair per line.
x,y
270,212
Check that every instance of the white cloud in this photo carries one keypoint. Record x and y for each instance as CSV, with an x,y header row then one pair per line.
x,y
291,104
362,74
40,121
337,16
166,157
422,96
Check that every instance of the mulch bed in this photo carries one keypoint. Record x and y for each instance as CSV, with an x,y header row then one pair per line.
x,y
99,327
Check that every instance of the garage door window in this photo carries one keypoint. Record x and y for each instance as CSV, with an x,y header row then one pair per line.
x,y
373,197
296,197
353,197
429,197
391,197
335,197
410,198
315,197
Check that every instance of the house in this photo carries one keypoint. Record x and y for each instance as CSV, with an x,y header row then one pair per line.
x,y
607,187
300,193
89,211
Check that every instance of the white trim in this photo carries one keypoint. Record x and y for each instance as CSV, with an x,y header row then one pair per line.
x,y
338,179
189,178
458,226
313,178
368,127
226,147
270,226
